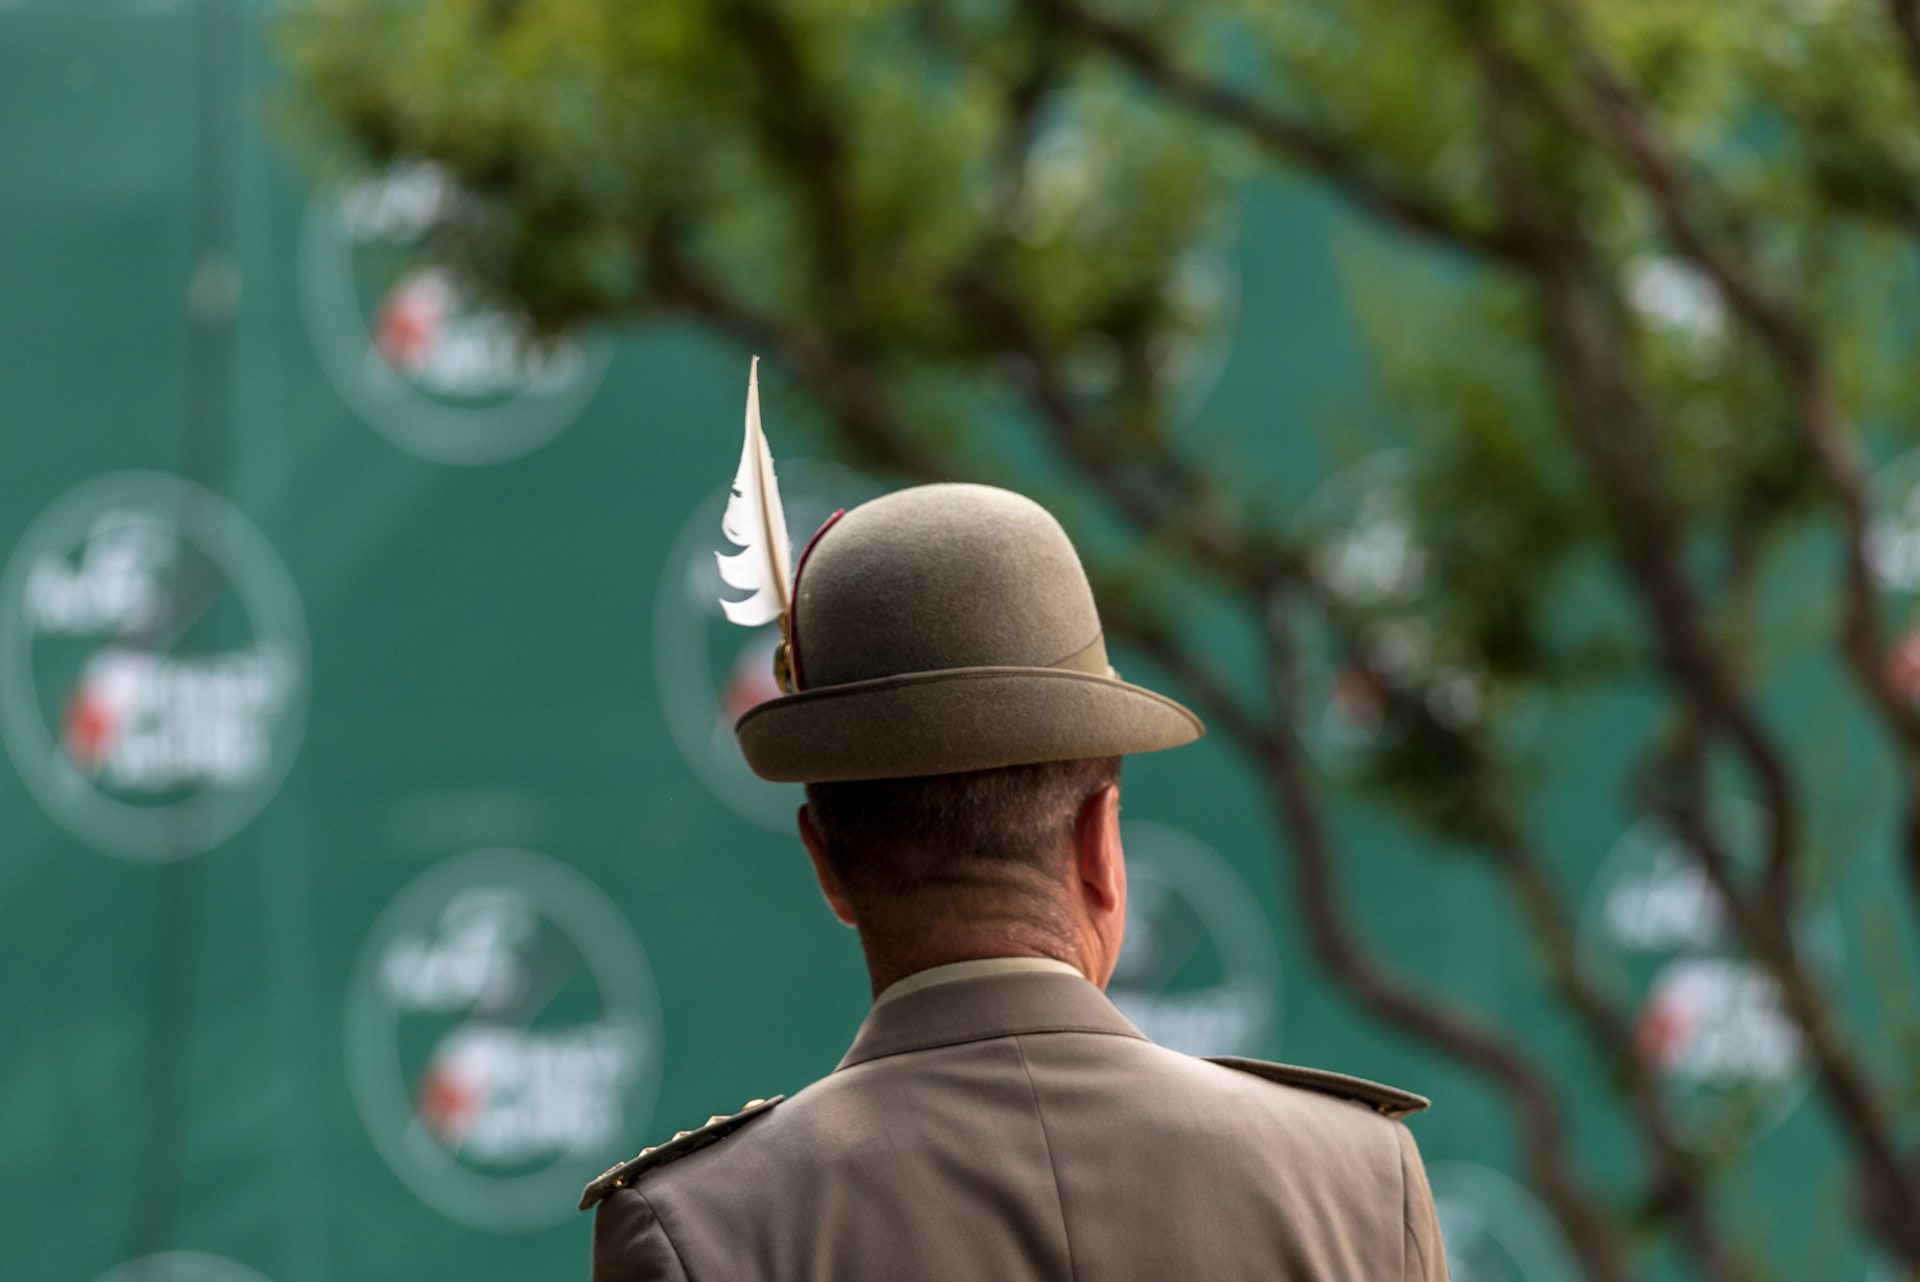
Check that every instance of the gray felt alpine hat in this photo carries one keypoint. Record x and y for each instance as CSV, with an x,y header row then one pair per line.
x,y
947,628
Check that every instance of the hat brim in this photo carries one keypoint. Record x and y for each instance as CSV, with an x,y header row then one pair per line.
x,y
936,723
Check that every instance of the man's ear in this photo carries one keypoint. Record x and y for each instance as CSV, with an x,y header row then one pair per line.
x,y
823,869
1099,862
1100,877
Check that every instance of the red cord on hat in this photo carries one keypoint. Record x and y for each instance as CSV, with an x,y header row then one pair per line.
x,y
793,610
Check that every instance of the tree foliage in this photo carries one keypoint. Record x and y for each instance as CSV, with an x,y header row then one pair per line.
x,y
1638,279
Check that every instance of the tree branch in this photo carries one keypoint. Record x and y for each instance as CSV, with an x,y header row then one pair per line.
x,y
844,386
1906,20
1285,137
1620,117
1602,410
1162,496
1428,1015
1893,1193
1612,426
1679,1184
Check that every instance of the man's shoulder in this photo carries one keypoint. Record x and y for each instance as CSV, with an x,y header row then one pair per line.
x,y
832,1113
1389,1101
1138,1067
666,1153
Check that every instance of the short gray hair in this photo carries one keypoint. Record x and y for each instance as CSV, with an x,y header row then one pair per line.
x,y
883,835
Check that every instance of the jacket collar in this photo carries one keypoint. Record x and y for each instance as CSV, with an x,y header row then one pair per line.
x,y
973,1010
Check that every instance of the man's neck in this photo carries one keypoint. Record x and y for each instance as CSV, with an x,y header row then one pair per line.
x,y
892,958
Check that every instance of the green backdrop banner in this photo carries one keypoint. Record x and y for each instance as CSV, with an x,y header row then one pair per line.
x,y
377,865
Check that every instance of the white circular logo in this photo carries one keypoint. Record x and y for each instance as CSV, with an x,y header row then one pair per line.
x,y
181,1266
503,1037
1494,1230
407,346
1365,549
1198,971
708,671
1710,1019
153,660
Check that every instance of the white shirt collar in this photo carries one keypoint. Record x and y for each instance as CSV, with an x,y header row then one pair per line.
x,y
970,970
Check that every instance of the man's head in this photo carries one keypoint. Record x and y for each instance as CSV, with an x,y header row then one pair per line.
x,y
957,723
1008,861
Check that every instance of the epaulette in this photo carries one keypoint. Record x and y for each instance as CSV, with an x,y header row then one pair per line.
x,y
1389,1100
683,1143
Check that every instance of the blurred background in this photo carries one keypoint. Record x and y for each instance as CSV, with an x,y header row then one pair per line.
x,y
1492,415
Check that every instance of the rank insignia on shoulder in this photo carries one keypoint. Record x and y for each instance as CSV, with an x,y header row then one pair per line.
x,y
669,1151
1388,1100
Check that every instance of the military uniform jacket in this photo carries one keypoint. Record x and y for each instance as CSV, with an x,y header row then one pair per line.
x,y
1016,1127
